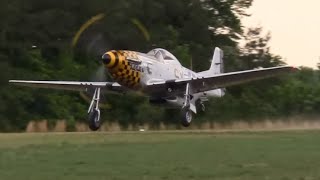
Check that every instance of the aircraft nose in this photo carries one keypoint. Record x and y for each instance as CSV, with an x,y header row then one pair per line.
x,y
106,59
119,67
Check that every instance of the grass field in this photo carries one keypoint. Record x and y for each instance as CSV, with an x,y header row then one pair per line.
x,y
245,155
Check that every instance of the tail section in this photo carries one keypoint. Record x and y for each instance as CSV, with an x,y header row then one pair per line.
x,y
217,66
217,62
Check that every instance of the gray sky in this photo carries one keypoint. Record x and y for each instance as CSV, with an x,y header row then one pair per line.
x,y
294,27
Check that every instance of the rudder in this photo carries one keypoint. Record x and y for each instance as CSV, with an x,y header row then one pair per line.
x,y
217,66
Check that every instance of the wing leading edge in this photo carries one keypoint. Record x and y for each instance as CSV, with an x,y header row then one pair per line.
x,y
207,83
69,85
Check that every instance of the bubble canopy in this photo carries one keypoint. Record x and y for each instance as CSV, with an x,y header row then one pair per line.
x,y
162,55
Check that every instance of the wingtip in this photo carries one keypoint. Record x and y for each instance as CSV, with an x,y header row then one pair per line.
x,y
14,81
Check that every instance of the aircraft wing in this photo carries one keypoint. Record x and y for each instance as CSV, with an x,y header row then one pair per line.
x,y
69,85
207,83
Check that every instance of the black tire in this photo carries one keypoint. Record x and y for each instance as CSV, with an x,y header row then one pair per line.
x,y
94,120
186,118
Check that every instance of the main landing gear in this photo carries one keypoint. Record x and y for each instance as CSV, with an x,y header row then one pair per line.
x,y
94,111
186,117
186,112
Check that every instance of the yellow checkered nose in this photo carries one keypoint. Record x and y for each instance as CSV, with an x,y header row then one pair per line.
x,y
120,69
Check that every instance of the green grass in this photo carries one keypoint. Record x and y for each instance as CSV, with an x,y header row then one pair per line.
x,y
269,155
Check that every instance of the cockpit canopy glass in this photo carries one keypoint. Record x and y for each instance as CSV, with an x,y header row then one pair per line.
x,y
162,55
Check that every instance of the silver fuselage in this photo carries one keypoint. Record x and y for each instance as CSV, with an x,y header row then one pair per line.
x,y
136,71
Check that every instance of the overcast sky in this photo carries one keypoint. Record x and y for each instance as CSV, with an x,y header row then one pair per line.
x,y
294,27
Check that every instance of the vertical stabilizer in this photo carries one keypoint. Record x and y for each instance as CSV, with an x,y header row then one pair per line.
x,y
217,66
217,62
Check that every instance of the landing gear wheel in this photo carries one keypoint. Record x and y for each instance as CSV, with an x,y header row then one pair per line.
x,y
186,118
94,119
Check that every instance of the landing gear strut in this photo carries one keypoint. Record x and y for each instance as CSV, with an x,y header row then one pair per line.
x,y
186,112
94,111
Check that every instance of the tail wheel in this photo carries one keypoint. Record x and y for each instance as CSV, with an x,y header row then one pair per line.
x,y
203,107
186,118
94,120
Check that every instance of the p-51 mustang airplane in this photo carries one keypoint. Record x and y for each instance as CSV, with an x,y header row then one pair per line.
x,y
160,76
